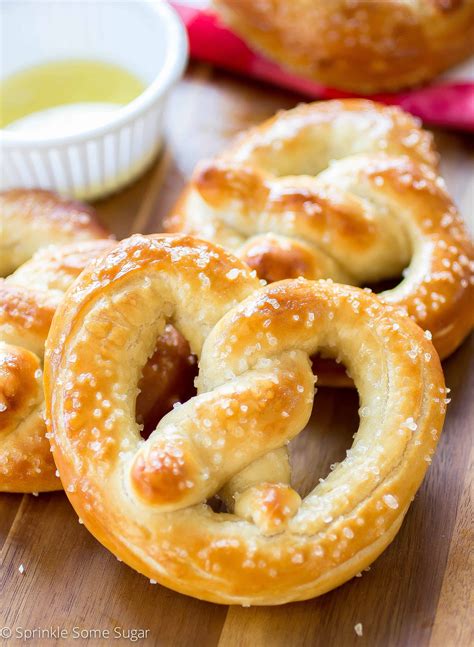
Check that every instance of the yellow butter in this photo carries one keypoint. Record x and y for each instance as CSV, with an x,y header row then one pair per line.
x,y
65,82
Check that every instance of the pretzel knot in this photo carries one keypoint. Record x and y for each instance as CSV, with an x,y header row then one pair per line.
x,y
147,500
346,190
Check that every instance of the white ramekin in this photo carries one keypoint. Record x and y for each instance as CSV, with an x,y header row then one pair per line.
x,y
146,37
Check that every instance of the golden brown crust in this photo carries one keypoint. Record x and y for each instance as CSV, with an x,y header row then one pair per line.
x,y
357,45
20,384
347,190
255,393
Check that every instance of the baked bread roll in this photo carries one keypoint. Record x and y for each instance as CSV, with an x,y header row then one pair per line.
x,y
147,501
362,46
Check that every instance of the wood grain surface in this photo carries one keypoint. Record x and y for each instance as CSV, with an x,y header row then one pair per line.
x,y
418,593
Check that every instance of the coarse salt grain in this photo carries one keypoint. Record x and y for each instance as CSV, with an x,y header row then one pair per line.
x,y
390,501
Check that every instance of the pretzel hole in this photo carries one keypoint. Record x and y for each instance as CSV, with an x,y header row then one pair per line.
x,y
10,272
217,505
167,378
322,445
385,284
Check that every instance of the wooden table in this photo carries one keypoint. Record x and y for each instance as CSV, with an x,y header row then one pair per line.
x,y
416,593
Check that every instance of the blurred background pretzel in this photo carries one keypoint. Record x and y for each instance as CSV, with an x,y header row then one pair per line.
x,y
363,46
147,501
347,190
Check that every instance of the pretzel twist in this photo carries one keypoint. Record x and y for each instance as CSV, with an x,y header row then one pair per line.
x,y
346,190
146,500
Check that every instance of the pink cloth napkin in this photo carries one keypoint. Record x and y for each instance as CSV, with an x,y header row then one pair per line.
x,y
448,102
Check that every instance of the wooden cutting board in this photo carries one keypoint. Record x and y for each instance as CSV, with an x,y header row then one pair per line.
x,y
417,593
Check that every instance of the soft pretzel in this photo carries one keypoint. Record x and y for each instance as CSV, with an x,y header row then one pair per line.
x,y
146,501
31,220
346,190
364,46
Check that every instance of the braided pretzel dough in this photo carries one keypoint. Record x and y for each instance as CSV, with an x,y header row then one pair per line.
x,y
364,46
146,501
344,190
